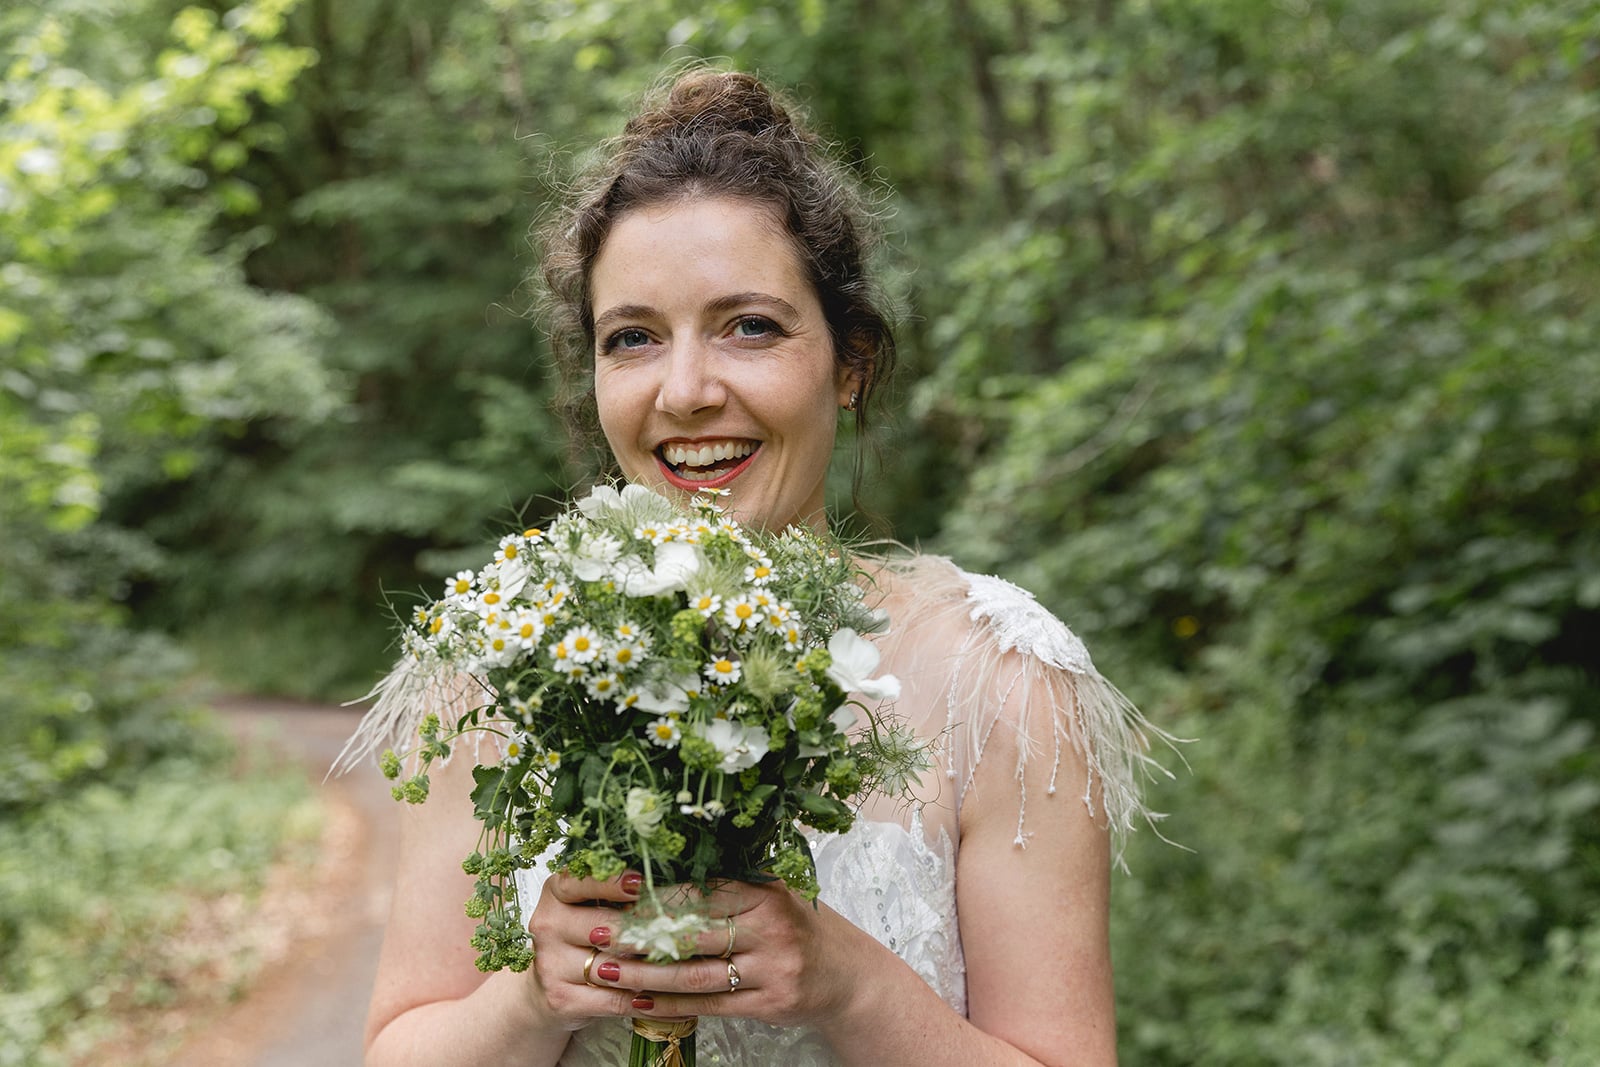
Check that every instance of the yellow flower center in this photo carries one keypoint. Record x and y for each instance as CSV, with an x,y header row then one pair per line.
x,y
624,655
511,551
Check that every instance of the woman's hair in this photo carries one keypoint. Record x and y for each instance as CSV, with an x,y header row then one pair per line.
x,y
715,134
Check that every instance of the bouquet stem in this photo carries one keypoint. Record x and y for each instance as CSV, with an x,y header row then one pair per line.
x,y
662,1043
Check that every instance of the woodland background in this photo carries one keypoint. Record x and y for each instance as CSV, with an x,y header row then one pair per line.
x,y
1260,339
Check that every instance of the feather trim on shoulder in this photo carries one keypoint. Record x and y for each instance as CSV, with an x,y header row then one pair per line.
x,y
1014,664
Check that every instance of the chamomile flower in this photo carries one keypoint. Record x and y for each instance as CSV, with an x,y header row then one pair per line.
x,y
760,571
510,549
460,585
723,670
603,686
526,627
664,732
583,644
654,533
561,657
550,760
706,603
499,649
625,656
516,748
741,614
793,639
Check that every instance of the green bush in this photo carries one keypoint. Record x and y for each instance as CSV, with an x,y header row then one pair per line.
x,y
95,888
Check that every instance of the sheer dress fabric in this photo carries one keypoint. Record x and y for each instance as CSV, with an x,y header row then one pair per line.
x,y
980,661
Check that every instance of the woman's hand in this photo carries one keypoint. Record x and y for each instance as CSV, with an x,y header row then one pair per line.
x,y
793,962
574,921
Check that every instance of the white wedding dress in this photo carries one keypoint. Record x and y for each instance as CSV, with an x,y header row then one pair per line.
x,y
982,666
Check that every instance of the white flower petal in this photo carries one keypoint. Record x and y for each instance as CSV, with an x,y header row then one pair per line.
x,y
854,660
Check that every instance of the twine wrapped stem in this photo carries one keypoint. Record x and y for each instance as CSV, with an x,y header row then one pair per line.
x,y
663,1043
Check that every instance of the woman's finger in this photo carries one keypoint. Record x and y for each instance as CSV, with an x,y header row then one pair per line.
x,y
699,976
623,889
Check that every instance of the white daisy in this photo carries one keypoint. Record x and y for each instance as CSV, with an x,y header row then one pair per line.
x,y
723,670
664,731
741,614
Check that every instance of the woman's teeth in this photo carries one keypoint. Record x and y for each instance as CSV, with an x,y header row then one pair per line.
x,y
687,456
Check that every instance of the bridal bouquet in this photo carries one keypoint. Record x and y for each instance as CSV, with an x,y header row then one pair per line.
x,y
671,692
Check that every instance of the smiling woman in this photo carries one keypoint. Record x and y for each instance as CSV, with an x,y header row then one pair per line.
x,y
714,366
714,318
718,138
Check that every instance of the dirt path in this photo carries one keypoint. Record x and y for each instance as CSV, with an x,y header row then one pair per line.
x,y
307,1009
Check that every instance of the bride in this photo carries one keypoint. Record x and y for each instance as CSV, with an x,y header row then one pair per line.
x,y
709,299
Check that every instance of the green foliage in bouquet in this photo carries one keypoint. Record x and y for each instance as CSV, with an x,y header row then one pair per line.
x,y
670,691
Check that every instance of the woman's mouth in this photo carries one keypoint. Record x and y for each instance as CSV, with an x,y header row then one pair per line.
x,y
704,464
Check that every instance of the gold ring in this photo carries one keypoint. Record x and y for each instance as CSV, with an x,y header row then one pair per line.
x,y
733,977
727,953
594,954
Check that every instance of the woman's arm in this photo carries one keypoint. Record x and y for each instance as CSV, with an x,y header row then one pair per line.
x,y
430,1004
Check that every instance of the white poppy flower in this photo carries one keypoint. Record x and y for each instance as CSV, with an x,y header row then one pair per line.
x,y
676,563
854,660
601,499
592,559
740,746
669,696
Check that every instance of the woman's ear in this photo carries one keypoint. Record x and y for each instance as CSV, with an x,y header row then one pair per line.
x,y
854,372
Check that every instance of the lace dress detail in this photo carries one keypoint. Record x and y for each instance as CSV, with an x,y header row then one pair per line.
x,y
883,877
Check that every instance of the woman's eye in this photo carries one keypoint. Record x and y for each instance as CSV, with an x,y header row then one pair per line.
x,y
628,339
754,327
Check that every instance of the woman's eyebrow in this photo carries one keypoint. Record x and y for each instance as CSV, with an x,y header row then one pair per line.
x,y
723,304
720,306
621,312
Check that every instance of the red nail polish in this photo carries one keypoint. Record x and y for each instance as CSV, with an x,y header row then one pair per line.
x,y
600,936
609,971
644,1003
631,883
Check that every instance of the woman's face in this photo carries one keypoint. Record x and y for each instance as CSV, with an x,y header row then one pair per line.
x,y
714,366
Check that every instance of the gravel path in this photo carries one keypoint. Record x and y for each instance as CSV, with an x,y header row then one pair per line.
x,y
308,1010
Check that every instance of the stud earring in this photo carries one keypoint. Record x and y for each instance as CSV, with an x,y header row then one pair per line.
x,y
855,398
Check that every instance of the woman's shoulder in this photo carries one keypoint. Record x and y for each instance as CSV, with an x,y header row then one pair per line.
x,y
977,608
1010,672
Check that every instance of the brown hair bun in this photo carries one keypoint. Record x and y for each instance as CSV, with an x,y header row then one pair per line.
x,y
715,101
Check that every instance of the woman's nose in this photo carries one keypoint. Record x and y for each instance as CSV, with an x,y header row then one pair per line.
x,y
689,382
